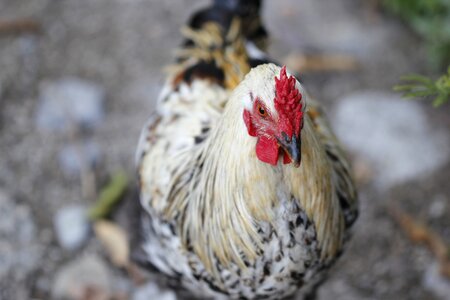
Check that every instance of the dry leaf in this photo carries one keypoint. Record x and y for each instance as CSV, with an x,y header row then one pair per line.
x,y
115,240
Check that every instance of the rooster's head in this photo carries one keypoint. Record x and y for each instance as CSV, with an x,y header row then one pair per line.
x,y
273,113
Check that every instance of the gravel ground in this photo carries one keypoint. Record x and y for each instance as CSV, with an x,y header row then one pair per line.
x,y
117,49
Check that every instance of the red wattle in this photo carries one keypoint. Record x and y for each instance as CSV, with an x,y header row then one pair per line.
x,y
267,150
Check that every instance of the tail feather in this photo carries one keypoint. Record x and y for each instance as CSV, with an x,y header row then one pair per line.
x,y
218,43
224,11
242,7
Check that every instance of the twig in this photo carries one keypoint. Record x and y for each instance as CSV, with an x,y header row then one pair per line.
x,y
373,10
19,26
300,62
418,232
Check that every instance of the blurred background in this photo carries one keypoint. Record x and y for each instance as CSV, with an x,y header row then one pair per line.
x,y
78,79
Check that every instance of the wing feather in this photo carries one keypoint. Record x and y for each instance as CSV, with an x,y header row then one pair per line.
x,y
345,187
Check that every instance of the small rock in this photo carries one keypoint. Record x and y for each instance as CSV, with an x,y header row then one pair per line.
x,y
151,290
122,286
19,248
87,277
71,227
73,157
69,102
435,282
338,289
392,134
437,207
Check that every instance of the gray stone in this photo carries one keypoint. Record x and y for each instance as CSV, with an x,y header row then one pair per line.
x,y
438,206
71,227
436,283
76,278
19,252
392,133
151,291
69,102
73,157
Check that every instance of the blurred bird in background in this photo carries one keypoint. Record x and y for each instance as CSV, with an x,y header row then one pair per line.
x,y
245,192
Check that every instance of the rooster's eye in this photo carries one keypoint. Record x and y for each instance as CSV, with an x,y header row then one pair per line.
x,y
262,111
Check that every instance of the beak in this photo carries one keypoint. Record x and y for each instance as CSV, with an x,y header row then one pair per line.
x,y
292,146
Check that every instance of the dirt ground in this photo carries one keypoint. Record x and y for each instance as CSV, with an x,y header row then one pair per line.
x,y
121,47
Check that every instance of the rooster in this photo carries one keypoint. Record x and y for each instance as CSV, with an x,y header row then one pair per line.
x,y
245,192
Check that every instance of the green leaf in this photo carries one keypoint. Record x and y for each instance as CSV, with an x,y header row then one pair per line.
x,y
109,196
419,86
439,100
418,94
418,78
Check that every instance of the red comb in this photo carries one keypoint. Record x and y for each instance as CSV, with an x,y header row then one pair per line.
x,y
288,103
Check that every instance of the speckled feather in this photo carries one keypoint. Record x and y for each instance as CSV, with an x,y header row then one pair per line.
x,y
219,222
